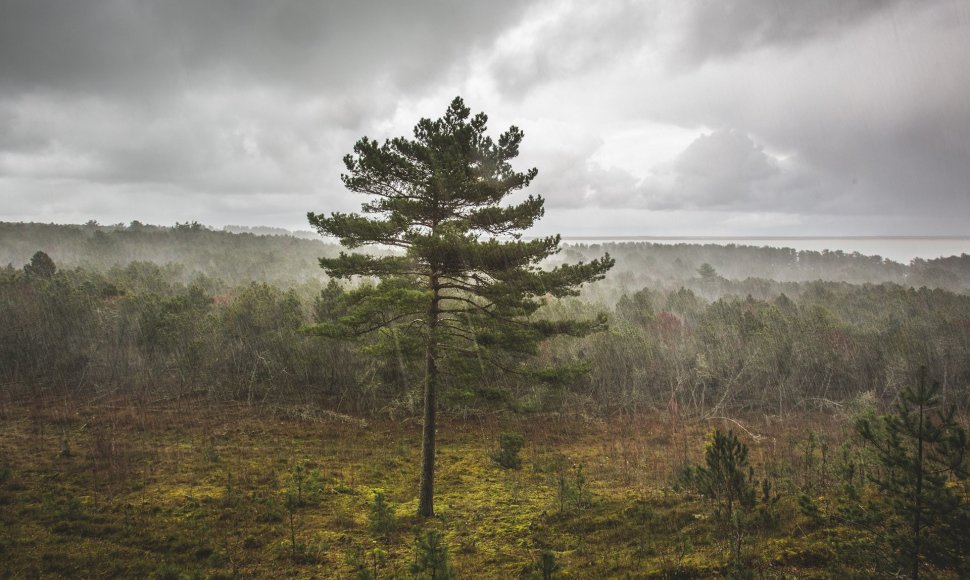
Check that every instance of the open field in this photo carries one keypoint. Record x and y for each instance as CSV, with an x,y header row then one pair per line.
x,y
194,489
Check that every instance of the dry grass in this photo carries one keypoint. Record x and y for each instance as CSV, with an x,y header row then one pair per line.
x,y
124,488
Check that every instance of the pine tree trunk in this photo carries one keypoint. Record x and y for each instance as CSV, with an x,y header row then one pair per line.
x,y
917,524
426,493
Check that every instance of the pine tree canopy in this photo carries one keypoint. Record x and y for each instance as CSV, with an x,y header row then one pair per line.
x,y
921,449
438,200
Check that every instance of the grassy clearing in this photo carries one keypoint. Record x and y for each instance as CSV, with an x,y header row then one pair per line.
x,y
192,489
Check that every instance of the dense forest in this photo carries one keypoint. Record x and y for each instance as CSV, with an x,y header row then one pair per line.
x,y
237,255
729,421
115,313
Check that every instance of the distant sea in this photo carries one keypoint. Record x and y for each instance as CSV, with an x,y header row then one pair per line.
x,y
898,249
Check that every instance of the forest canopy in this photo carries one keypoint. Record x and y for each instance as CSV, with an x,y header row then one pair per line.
x,y
211,325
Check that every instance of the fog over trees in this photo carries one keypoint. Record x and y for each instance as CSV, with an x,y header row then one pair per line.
x,y
189,308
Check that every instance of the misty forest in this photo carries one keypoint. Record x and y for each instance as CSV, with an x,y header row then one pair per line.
x,y
426,392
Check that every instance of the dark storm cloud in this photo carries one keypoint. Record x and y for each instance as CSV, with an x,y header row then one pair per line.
x,y
116,46
186,98
715,29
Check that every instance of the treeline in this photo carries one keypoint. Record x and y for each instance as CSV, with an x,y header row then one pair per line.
x,y
669,266
269,231
238,255
142,329
235,258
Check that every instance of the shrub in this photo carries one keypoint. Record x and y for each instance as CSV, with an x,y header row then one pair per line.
x,y
507,455
726,476
547,566
366,564
431,558
727,479
305,484
381,515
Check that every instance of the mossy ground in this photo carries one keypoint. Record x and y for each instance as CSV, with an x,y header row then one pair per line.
x,y
192,488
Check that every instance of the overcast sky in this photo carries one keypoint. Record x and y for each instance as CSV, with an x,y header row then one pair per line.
x,y
714,117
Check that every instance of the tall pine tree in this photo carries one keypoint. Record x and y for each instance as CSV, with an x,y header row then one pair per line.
x,y
921,448
462,275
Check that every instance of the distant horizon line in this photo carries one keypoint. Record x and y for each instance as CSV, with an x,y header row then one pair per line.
x,y
765,237
567,237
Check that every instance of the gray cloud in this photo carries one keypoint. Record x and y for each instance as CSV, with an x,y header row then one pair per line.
x,y
727,170
557,40
722,29
721,170
576,183
113,46
845,113
232,97
880,114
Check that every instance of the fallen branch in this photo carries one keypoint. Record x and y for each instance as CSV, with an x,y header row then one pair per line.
x,y
754,436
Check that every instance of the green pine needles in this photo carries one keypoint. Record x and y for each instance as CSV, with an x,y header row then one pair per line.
x,y
726,477
462,279
507,455
922,449
431,559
